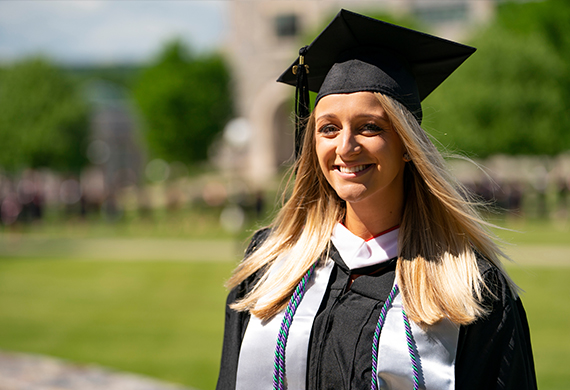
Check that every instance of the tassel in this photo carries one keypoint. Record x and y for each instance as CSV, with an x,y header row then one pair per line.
x,y
302,100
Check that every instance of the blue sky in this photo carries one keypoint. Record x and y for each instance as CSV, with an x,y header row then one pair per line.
x,y
106,32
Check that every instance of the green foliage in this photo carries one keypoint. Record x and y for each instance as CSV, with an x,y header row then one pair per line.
x,y
511,96
185,102
43,121
549,19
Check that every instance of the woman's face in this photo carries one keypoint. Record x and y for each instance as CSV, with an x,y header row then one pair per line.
x,y
358,151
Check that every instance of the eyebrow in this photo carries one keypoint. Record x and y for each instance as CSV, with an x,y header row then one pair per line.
x,y
325,117
366,116
375,117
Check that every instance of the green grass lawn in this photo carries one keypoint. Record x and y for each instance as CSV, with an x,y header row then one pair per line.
x,y
534,232
164,317
546,302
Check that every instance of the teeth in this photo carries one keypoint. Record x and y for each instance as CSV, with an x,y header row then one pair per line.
x,y
355,169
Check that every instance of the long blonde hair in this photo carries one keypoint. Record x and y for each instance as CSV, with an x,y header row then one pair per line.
x,y
437,268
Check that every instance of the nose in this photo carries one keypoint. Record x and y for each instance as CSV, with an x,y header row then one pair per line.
x,y
347,143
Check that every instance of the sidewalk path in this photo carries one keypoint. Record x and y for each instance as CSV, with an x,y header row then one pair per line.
x,y
35,372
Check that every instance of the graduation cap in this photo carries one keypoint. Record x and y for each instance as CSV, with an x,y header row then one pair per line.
x,y
357,53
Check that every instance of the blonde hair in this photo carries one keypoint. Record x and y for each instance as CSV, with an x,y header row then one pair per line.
x,y
440,231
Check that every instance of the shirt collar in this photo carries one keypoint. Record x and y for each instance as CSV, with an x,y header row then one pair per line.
x,y
358,253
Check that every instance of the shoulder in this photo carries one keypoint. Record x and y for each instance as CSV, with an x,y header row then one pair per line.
x,y
494,278
257,240
246,285
496,287
499,341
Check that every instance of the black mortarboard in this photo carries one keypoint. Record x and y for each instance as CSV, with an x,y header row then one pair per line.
x,y
357,53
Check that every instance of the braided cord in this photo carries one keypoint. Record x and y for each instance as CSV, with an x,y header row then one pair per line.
x,y
376,338
279,362
413,358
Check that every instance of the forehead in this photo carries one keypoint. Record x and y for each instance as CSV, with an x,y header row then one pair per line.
x,y
358,103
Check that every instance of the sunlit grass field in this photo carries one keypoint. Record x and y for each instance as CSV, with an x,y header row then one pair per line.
x,y
163,317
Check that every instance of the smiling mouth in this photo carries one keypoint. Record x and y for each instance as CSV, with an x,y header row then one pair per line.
x,y
355,169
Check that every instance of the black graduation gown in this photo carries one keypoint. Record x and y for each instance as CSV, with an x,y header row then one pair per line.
x,y
492,353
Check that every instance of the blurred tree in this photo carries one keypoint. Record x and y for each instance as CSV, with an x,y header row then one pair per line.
x,y
185,101
512,96
43,120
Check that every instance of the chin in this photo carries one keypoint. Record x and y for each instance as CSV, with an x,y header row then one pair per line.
x,y
351,197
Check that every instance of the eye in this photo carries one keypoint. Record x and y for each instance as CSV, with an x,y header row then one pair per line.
x,y
371,129
328,129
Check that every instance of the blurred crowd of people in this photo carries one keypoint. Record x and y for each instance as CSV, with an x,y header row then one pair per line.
x,y
535,187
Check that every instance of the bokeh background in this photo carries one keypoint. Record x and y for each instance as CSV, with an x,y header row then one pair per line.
x,y
142,142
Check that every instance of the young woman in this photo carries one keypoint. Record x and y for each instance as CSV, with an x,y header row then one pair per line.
x,y
377,272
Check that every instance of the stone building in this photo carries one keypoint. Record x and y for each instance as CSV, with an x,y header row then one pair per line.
x,y
264,39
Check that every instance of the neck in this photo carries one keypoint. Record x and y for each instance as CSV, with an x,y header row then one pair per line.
x,y
366,223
